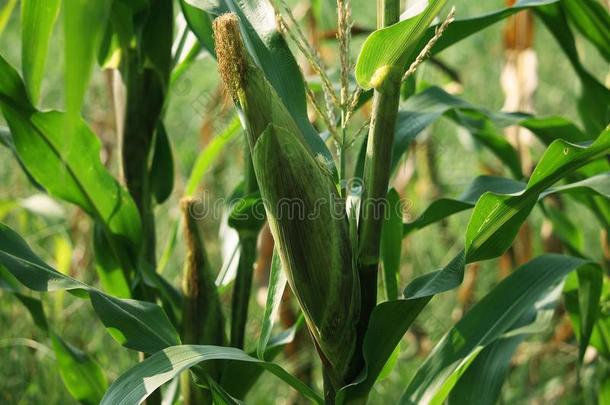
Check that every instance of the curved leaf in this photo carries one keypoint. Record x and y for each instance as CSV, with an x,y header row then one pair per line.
x,y
81,375
209,154
424,108
141,380
594,101
66,162
277,284
84,25
488,320
389,51
497,218
137,325
462,28
390,320
445,207
201,24
593,20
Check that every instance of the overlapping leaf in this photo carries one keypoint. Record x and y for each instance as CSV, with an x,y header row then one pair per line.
x,y
137,325
66,162
493,225
445,207
390,50
140,381
488,320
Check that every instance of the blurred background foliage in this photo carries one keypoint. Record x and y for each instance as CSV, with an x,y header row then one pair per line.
x,y
198,111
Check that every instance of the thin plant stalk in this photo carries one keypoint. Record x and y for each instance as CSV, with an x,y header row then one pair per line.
x,y
377,175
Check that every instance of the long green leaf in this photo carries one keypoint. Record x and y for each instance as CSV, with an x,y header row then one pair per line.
x,y
445,207
162,166
496,218
82,376
84,25
462,28
141,380
488,320
590,281
592,19
66,162
426,107
201,24
37,21
595,97
598,185
277,284
137,325
594,102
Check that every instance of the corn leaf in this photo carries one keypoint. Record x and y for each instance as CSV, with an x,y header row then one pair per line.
x,y
66,162
591,18
422,109
598,185
595,97
485,239
496,218
462,28
141,380
391,50
590,281
207,156
137,325
81,375
200,24
594,102
488,320
481,379
37,21
84,24
112,277
275,291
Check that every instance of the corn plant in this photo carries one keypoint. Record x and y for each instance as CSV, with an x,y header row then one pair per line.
x,y
337,247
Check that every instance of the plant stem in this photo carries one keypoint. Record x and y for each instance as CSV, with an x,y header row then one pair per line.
x,y
376,175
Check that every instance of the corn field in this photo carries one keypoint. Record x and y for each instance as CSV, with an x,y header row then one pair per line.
x,y
316,201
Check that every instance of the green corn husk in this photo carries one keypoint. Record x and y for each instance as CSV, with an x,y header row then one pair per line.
x,y
305,212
